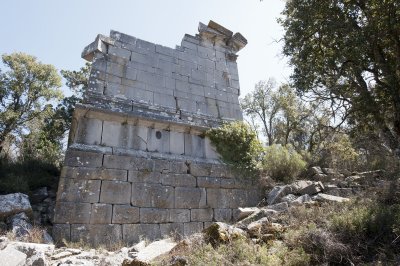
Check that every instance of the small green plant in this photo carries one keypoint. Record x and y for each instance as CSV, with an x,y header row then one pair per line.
x,y
283,163
239,146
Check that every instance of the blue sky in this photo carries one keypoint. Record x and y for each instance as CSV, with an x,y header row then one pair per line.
x,y
57,31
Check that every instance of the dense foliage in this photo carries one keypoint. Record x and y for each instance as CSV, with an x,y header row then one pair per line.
x,y
347,52
238,145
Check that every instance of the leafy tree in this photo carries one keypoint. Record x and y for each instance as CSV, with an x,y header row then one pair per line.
x,y
348,52
27,89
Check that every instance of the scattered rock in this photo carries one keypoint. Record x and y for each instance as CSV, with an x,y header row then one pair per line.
x,y
11,204
297,186
279,207
277,193
155,249
37,259
340,192
245,212
312,189
219,232
301,200
134,262
12,257
39,195
329,198
315,170
289,198
178,261
20,225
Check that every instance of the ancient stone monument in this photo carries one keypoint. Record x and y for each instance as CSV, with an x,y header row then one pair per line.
x,y
138,164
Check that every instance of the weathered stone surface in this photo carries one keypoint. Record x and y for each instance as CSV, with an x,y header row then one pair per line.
x,y
61,232
116,192
101,213
279,207
219,198
329,198
208,182
78,190
125,214
144,176
315,170
277,193
96,234
187,197
151,215
20,224
201,215
171,229
83,159
72,212
200,169
14,203
312,189
179,215
192,228
301,200
133,233
155,249
12,257
223,215
179,180
152,195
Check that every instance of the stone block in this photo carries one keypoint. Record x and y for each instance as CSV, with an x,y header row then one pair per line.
x,y
219,198
125,214
228,183
133,233
200,169
161,166
144,176
152,195
208,182
72,212
219,170
139,139
115,134
61,232
179,167
177,143
151,215
187,197
10,256
201,215
116,192
178,180
127,162
96,173
210,150
97,234
239,198
171,230
119,52
197,146
179,215
78,190
158,140
164,100
223,215
83,158
101,213
192,228
89,131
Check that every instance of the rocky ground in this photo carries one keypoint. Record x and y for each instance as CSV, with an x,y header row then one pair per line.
x,y
25,220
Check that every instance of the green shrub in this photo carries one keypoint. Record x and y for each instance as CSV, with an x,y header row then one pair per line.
x,y
283,163
239,146
27,175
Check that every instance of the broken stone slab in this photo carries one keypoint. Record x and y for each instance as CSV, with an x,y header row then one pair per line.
x,y
299,185
31,248
219,232
289,198
279,207
155,249
260,213
277,193
329,198
312,189
321,177
14,203
315,170
37,259
20,224
245,212
12,257
341,192
301,200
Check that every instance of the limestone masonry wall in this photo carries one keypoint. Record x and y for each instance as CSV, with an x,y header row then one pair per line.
x,y
138,164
